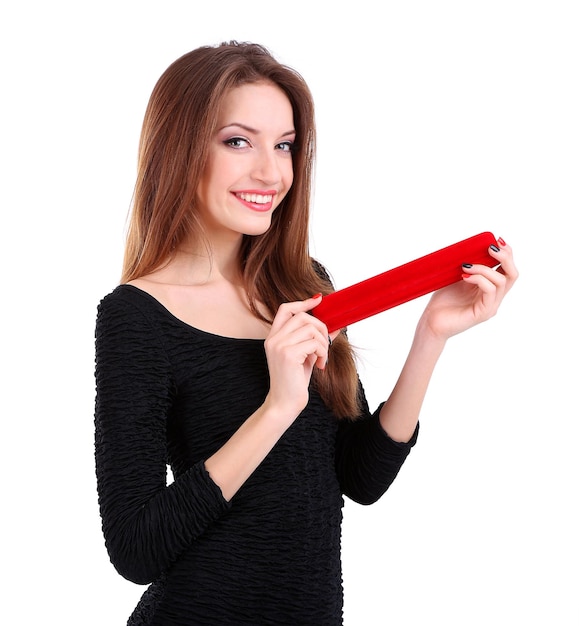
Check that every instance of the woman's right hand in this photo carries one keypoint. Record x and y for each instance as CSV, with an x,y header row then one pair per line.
x,y
297,342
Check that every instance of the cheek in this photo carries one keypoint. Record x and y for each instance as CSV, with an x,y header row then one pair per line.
x,y
281,197
288,179
205,181
288,175
212,184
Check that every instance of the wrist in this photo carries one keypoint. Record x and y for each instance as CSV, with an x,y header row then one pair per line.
x,y
426,335
277,415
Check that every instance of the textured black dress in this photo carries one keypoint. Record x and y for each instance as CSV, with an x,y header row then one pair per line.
x,y
168,393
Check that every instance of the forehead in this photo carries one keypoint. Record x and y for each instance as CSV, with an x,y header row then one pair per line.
x,y
256,101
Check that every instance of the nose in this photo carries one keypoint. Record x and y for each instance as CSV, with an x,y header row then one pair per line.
x,y
266,167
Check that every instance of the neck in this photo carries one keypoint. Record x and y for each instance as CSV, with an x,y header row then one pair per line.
x,y
196,264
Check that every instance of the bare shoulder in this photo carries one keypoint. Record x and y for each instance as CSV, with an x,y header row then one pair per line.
x,y
158,289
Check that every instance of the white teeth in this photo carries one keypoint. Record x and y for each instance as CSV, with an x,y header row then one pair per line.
x,y
254,197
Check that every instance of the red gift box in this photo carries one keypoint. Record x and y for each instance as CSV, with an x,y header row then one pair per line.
x,y
403,283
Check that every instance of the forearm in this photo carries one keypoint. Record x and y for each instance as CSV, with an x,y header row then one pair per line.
x,y
399,415
296,343
237,459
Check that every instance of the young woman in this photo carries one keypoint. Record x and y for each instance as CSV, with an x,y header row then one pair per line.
x,y
208,360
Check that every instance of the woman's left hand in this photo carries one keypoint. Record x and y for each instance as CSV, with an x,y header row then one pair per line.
x,y
473,300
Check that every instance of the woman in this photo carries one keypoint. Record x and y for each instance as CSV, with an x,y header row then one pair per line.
x,y
207,359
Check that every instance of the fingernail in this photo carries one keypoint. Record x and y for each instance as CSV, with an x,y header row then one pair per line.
x,y
494,248
466,275
467,265
501,241
317,295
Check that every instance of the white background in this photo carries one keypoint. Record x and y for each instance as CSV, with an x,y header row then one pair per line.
x,y
437,120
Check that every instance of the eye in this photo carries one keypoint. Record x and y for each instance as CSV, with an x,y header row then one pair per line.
x,y
286,146
237,142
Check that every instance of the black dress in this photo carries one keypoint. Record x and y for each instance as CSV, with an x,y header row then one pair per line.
x,y
168,393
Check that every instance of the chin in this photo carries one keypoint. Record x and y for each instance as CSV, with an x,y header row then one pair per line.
x,y
257,229
256,232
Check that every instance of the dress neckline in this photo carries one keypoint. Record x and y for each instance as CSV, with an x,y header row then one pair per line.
x,y
163,309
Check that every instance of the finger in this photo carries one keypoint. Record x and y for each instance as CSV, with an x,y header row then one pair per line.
x,y
287,310
490,286
508,267
300,336
495,277
309,340
332,337
302,320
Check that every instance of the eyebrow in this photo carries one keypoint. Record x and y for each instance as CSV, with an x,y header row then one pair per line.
x,y
249,129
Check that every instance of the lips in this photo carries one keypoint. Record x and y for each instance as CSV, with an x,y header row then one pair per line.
x,y
256,200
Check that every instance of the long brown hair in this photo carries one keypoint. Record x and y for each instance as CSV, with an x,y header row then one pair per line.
x,y
180,121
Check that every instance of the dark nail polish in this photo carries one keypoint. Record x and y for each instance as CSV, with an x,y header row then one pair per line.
x,y
494,248
467,265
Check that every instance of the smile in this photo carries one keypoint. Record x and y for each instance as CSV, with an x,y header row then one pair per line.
x,y
255,198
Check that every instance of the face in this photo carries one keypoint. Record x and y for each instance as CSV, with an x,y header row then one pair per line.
x,y
249,170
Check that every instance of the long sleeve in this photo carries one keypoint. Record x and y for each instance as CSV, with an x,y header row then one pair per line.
x,y
367,459
146,523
